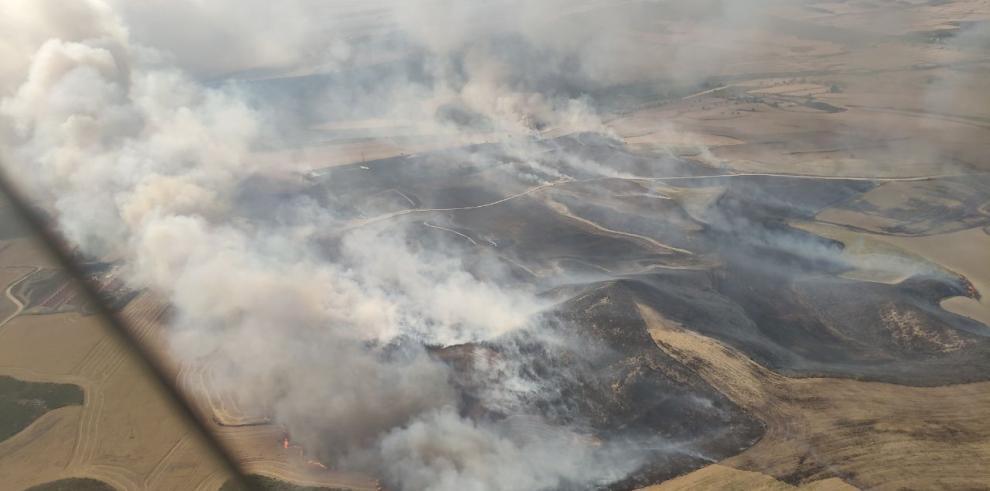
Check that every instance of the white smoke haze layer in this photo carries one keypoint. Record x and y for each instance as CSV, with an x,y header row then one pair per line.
x,y
445,451
117,118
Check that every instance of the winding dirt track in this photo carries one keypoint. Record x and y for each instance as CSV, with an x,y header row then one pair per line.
x,y
566,212
469,239
535,189
10,295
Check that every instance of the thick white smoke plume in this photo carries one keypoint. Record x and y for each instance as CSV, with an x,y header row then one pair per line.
x,y
115,121
143,126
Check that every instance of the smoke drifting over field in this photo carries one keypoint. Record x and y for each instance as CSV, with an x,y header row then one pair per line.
x,y
139,126
114,119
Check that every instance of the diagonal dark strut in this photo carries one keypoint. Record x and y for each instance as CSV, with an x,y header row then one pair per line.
x,y
151,364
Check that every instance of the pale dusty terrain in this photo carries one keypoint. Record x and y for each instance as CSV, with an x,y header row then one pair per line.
x,y
871,435
965,252
127,433
718,476
910,109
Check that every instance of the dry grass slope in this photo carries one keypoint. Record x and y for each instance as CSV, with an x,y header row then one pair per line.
x,y
724,478
871,435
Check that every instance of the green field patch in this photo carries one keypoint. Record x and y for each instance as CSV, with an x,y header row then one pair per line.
x,y
73,484
23,402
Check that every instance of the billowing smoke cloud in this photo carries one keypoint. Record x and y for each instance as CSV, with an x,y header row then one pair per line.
x,y
114,120
481,457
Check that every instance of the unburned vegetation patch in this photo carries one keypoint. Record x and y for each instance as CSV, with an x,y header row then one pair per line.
x,y
21,403
73,484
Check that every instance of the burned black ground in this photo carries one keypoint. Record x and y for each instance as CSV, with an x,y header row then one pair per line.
x,y
609,228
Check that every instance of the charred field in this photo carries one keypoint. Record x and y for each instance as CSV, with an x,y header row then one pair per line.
x,y
710,250
424,245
